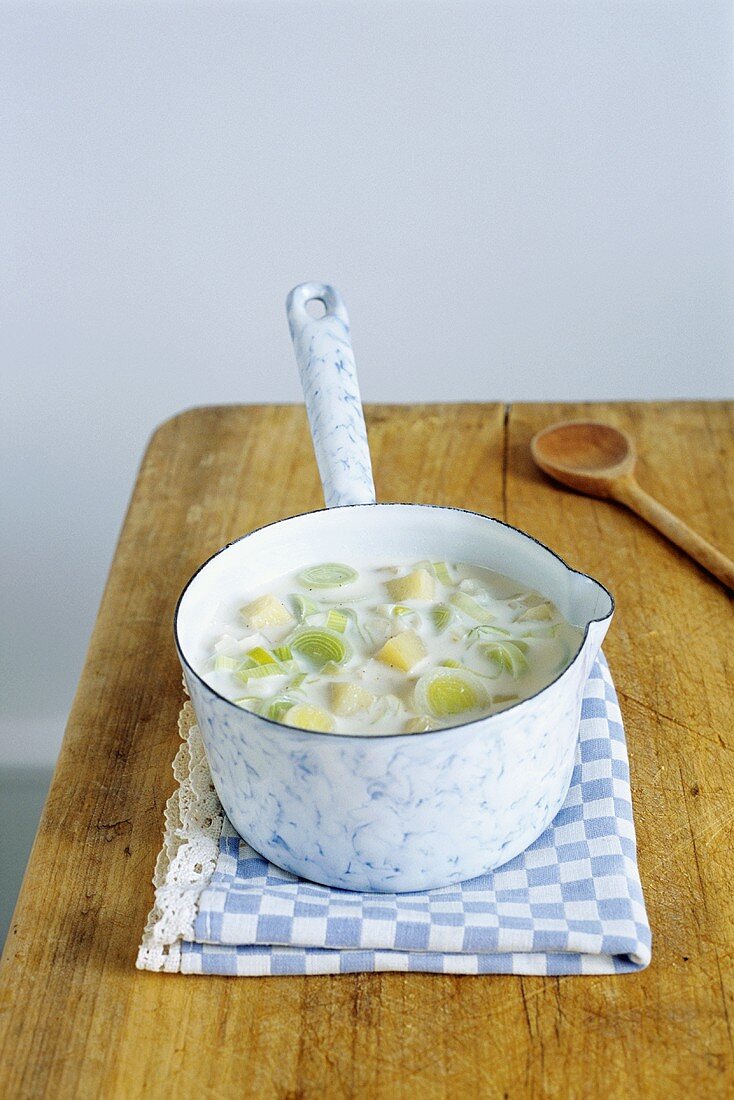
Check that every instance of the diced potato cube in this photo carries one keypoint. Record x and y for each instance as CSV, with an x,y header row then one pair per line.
x,y
349,699
404,651
418,585
266,611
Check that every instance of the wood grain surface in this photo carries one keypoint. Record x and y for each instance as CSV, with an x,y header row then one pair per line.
x,y
77,1020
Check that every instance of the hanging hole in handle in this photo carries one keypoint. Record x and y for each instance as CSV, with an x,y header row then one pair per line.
x,y
316,308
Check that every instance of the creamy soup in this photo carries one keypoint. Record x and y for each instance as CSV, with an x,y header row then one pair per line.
x,y
398,648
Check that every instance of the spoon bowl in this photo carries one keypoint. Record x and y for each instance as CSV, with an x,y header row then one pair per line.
x,y
585,455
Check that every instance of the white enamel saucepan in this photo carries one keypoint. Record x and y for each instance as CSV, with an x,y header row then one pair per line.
x,y
392,812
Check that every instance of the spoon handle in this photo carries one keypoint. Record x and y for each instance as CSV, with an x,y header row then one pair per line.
x,y
628,492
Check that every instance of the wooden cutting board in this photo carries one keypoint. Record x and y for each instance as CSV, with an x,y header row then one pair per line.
x,y
79,1021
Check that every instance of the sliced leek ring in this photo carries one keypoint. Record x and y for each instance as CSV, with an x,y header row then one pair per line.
x,y
469,606
226,664
506,657
328,575
441,616
306,716
542,630
249,702
279,707
442,574
541,612
331,668
406,616
319,646
291,667
526,599
336,620
260,656
488,633
261,672
303,606
447,692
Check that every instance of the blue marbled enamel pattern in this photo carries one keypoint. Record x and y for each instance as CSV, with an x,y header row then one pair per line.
x,y
331,392
398,813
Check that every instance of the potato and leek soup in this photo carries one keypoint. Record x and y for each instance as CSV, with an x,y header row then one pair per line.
x,y
395,648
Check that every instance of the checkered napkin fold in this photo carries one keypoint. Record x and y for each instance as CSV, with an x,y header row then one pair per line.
x,y
570,904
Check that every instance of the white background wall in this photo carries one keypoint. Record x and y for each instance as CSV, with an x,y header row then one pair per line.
x,y
519,200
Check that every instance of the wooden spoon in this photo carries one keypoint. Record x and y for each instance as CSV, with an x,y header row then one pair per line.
x,y
599,460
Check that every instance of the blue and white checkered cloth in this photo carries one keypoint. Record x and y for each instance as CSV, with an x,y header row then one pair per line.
x,y
571,904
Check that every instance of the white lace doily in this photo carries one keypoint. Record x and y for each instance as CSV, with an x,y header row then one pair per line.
x,y
185,864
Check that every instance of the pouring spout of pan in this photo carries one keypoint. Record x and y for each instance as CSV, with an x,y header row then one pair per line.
x,y
329,380
590,606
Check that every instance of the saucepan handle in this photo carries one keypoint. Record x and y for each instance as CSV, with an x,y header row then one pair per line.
x,y
331,392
